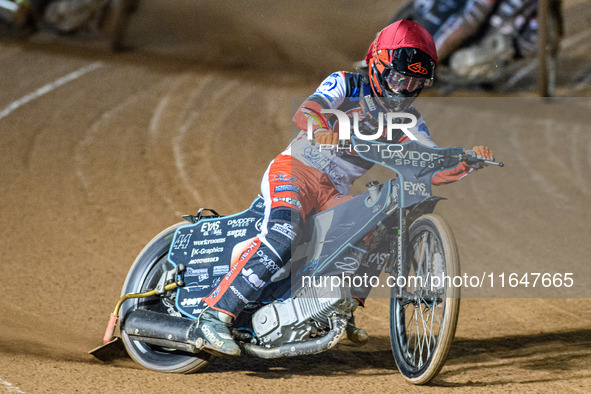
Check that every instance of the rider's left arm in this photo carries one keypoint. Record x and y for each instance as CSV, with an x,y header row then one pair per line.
x,y
453,174
462,169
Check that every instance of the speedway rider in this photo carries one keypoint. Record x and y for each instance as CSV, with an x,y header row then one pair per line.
x,y
304,179
66,16
477,37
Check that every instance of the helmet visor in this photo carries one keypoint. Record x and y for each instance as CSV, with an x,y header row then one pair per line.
x,y
398,82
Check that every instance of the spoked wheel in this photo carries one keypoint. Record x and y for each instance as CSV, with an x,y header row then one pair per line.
x,y
424,313
144,276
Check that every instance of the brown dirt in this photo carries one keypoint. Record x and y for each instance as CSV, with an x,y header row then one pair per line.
x,y
92,169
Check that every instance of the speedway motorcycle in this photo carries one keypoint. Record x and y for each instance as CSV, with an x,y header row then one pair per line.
x,y
110,18
389,230
488,60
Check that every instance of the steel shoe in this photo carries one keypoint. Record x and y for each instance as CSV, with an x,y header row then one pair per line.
x,y
213,333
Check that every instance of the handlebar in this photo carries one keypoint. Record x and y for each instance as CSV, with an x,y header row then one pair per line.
x,y
470,158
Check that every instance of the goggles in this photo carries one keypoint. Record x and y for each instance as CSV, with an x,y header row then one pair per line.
x,y
397,81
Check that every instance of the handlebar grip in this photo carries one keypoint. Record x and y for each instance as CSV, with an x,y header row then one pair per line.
x,y
470,158
494,163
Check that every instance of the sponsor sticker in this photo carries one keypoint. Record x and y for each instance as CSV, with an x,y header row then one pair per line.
x,y
182,241
418,68
206,251
238,294
289,200
205,242
237,233
287,188
285,229
208,228
201,273
348,264
220,270
204,261
190,301
414,188
283,178
252,279
243,222
267,262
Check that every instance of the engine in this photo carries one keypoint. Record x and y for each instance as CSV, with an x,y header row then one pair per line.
x,y
301,317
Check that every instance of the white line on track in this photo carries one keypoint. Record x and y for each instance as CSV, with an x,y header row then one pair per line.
x,y
153,130
10,387
155,121
48,88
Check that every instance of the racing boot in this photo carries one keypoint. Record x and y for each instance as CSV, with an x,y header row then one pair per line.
x,y
357,336
213,333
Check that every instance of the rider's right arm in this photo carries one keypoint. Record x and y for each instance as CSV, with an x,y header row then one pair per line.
x,y
329,95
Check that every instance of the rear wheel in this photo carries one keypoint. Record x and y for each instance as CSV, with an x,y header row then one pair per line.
x,y
423,312
143,276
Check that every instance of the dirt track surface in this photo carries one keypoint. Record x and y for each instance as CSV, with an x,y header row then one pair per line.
x,y
116,147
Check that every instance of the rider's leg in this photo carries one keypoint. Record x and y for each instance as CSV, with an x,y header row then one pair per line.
x,y
291,190
287,198
510,32
517,19
461,26
247,277
356,334
255,266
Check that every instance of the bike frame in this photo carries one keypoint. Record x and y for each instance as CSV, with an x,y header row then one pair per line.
x,y
413,183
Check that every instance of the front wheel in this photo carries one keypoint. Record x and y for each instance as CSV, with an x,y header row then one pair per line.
x,y
143,276
424,312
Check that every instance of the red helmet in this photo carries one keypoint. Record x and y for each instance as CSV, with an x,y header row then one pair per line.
x,y
401,60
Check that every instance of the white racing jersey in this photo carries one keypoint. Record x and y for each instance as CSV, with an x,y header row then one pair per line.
x,y
342,91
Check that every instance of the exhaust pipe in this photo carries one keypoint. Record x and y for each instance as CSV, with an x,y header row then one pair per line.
x,y
162,330
311,346
179,333
13,12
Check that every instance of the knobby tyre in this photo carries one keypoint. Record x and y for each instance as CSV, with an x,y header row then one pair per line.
x,y
143,276
423,317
